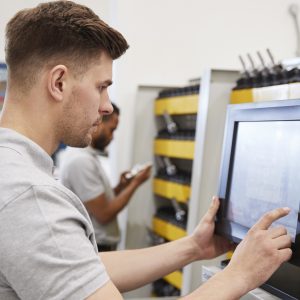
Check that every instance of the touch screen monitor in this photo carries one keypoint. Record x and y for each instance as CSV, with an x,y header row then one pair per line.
x,y
260,167
261,171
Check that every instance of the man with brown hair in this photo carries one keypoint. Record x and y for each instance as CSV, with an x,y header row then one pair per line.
x,y
59,58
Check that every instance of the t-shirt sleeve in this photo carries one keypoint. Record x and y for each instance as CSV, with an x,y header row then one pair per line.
x,y
46,251
84,178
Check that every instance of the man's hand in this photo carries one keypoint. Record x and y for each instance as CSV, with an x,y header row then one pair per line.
x,y
209,245
262,251
128,186
142,176
123,183
255,259
123,180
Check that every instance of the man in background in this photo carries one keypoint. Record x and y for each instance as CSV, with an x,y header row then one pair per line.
x,y
82,172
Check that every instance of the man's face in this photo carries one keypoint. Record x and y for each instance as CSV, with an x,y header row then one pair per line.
x,y
86,103
105,132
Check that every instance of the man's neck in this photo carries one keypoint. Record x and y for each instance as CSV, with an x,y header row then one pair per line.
x,y
102,152
32,124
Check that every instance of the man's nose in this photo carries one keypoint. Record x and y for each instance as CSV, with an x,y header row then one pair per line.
x,y
105,107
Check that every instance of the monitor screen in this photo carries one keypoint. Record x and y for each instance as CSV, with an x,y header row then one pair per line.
x,y
260,167
265,172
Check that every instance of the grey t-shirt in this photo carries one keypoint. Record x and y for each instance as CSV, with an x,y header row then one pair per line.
x,y
81,172
47,244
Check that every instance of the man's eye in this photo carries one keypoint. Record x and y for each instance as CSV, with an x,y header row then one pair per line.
x,y
102,87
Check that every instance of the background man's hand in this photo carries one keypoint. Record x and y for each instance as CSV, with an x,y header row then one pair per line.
x,y
134,182
142,176
123,180
262,251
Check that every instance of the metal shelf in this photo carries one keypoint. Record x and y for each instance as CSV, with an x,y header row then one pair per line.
x,y
178,105
171,190
174,148
167,230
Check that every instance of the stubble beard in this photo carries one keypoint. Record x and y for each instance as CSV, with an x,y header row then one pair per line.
x,y
80,139
72,135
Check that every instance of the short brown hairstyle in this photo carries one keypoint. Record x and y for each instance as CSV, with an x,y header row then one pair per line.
x,y
54,31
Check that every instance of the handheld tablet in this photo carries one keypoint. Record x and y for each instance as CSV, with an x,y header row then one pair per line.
x,y
137,169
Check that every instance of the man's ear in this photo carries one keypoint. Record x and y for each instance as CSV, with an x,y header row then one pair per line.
x,y
57,82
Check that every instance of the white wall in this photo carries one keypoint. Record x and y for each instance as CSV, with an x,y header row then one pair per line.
x,y
172,40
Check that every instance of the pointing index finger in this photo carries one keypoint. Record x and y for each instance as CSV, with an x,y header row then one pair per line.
x,y
268,218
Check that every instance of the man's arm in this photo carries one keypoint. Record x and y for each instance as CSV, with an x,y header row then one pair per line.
x,y
105,210
139,267
255,259
149,264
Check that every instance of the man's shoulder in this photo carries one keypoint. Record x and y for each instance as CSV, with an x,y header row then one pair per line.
x,y
74,156
75,163
18,178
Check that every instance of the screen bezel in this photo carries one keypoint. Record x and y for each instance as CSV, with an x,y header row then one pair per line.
x,y
287,110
